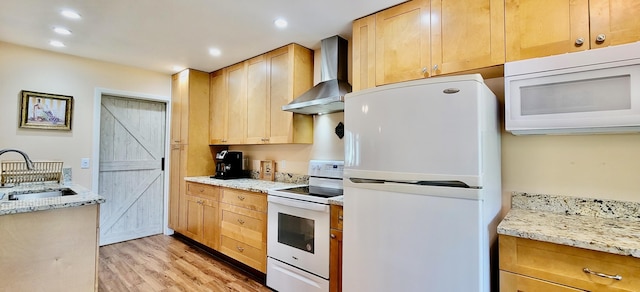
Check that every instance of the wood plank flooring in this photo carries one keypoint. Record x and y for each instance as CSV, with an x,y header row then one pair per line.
x,y
164,263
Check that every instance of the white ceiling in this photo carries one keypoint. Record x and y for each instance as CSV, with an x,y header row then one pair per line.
x,y
160,34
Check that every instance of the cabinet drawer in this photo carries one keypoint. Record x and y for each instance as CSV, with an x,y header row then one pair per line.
x,y
336,217
510,282
565,265
245,199
243,225
202,190
251,256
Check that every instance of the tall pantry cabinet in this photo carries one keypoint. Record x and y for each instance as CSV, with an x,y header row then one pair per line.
x,y
190,152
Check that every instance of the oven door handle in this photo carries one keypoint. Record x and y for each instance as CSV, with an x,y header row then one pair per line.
x,y
299,204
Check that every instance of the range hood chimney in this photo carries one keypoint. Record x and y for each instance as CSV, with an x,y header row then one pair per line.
x,y
328,95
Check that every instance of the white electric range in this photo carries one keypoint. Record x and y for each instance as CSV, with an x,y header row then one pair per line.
x,y
298,230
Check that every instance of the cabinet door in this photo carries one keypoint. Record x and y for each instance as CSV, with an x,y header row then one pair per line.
x,y
237,103
537,28
210,225
616,20
466,35
193,217
175,181
180,107
280,79
218,108
402,42
335,261
257,100
364,53
510,282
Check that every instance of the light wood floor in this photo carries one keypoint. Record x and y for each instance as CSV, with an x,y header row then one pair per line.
x,y
163,263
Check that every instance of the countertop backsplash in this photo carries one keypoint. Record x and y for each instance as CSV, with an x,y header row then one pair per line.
x,y
292,178
599,208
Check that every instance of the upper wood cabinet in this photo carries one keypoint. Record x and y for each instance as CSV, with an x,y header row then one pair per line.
x,y
364,53
246,99
403,48
537,28
290,74
422,38
189,104
466,35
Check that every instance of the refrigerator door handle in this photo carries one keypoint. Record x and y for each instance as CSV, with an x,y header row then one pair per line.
x,y
436,183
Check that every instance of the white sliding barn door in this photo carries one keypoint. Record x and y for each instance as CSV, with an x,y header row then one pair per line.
x,y
131,178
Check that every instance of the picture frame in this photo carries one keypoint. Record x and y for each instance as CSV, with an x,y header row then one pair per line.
x,y
267,170
46,111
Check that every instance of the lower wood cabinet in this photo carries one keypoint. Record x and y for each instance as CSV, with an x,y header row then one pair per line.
x,y
335,249
530,265
231,221
201,214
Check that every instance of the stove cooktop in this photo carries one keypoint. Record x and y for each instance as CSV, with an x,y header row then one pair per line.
x,y
314,191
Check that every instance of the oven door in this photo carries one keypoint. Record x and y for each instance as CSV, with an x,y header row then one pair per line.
x,y
298,234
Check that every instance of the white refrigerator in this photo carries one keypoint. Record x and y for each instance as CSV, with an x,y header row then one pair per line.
x,y
421,186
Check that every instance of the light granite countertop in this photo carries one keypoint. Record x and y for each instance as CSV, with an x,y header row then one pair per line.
x,y
83,197
247,184
601,225
339,200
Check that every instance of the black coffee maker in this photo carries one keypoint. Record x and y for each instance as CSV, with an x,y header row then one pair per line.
x,y
229,165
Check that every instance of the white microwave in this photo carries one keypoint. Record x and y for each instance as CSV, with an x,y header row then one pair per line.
x,y
593,91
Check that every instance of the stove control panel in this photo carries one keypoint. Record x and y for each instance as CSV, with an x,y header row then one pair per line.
x,y
326,168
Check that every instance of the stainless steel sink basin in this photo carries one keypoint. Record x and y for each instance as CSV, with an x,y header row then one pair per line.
x,y
39,194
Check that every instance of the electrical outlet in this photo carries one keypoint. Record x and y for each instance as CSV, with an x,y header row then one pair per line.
x,y
84,163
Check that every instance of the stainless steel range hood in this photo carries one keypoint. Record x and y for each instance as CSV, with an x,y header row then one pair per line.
x,y
328,95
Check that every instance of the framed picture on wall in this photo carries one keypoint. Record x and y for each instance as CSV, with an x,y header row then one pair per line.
x,y
46,111
267,170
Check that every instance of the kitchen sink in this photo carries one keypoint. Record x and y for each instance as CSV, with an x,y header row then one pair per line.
x,y
39,194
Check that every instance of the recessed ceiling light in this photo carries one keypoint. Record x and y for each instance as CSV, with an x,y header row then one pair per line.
x,y
62,30
280,23
58,44
70,14
215,52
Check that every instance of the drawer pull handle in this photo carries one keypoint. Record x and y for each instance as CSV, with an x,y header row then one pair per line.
x,y
240,248
240,221
603,275
241,198
340,217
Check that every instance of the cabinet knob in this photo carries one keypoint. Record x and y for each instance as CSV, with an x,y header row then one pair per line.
x,y
240,248
600,38
241,198
333,235
579,42
340,217
435,68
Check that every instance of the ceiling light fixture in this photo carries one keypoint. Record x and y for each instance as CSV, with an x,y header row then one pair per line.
x,y
215,52
62,30
57,44
280,23
70,14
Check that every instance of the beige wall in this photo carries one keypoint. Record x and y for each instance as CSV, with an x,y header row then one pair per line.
x,y
23,68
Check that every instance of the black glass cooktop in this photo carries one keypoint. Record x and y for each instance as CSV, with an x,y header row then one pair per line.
x,y
314,191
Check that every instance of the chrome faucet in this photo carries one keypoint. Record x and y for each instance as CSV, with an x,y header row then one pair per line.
x,y
27,160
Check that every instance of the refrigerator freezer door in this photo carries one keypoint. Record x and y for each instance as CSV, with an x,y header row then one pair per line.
x,y
407,242
417,128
